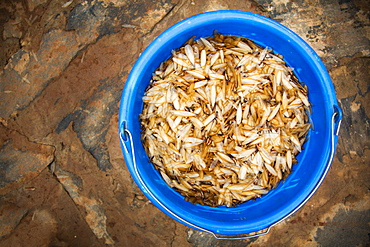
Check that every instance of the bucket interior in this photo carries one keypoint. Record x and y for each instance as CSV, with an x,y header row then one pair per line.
x,y
313,161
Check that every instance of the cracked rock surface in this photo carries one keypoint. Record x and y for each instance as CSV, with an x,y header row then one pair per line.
x,y
63,179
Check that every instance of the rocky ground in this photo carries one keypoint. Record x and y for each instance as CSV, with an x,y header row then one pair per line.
x,y
63,179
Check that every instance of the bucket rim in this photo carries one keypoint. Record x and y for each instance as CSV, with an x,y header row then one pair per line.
x,y
129,93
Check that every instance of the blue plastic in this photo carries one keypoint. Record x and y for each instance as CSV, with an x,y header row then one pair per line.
x,y
313,162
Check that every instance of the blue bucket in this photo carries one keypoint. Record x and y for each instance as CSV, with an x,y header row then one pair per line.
x,y
256,217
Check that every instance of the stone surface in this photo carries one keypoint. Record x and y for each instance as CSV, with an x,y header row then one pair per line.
x,y
63,178
20,159
10,216
333,28
52,218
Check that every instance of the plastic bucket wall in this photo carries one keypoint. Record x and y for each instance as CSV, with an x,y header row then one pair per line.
x,y
313,162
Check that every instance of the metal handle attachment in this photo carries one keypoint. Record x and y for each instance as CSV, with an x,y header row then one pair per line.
x,y
337,119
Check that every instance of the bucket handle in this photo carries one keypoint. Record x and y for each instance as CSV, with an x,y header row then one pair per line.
x,y
337,119
126,136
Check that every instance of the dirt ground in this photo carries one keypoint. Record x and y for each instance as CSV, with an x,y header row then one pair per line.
x,y
63,179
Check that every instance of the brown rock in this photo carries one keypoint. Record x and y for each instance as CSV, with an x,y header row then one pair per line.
x,y
62,90
27,73
20,159
12,30
51,219
32,4
10,216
